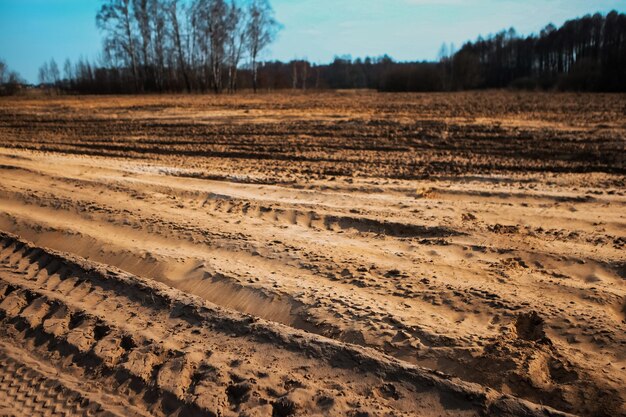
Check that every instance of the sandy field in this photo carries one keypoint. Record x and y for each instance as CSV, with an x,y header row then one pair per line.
x,y
342,254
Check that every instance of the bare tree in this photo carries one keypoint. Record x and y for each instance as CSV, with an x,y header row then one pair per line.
x,y
44,74
177,37
115,18
161,49
294,74
211,30
305,73
261,30
218,34
10,81
55,74
236,37
49,76
141,14
67,69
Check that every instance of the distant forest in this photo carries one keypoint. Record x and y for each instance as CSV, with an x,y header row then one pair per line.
x,y
214,45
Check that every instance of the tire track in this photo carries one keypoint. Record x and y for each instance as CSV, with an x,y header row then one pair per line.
x,y
149,343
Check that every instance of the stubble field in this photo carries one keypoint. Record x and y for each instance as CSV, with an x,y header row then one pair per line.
x,y
345,253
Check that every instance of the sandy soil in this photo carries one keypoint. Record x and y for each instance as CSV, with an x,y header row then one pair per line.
x,y
346,253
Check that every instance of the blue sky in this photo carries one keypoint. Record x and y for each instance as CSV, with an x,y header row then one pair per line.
x,y
32,31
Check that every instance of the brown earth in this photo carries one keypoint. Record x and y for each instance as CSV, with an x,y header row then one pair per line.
x,y
346,253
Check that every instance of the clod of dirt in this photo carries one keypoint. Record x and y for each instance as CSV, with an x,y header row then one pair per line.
x,y
238,393
503,229
358,413
466,217
284,407
325,401
392,273
389,391
530,326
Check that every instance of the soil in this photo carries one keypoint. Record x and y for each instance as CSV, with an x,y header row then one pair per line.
x,y
343,253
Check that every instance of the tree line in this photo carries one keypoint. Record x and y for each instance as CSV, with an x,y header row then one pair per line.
x,y
171,46
10,81
588,53
214,45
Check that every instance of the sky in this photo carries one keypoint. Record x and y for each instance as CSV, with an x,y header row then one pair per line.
x,y
33,31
